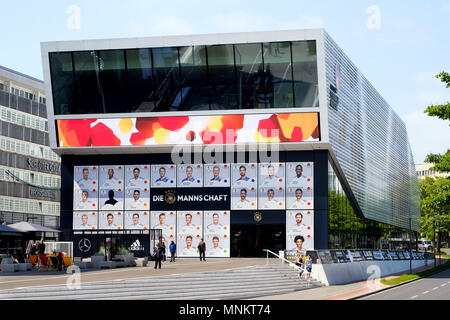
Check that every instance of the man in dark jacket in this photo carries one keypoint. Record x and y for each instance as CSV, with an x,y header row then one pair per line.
x,y
202,248
41,247
157,255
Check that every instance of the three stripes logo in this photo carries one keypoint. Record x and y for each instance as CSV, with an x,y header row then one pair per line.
x,y
136,246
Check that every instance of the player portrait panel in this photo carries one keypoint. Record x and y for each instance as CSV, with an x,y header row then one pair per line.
x,y
164,176
111,199
271,198
190,175
217,245
217,175
244,175
137,220
84,199
85,220
271,175
137,199
165,221
216,222
190,222
110,220
137,177
86,178
243,198
299,230
111,177
187,245
299,198
300,174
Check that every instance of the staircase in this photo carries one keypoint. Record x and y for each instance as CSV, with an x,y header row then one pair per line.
x,y
239,283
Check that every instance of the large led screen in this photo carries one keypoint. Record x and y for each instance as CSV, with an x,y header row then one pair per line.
x,y
183,130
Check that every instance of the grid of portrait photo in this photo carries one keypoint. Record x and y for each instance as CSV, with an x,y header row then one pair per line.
x,y
118,197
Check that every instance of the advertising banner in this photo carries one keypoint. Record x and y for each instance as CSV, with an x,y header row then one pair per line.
x,y
190,176
217,175
190,231
85,193
164,176
217,233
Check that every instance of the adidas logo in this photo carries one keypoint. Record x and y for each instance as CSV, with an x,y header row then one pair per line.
x,y
136,246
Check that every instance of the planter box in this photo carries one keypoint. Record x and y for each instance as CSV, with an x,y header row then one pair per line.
x,y
97,261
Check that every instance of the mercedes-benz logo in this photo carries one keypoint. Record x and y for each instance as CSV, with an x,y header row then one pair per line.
x,y
257,216
170,197
84,245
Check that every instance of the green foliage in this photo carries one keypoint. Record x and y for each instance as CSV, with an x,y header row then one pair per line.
x,y
441,111
101,252
123,251
435,202
441,162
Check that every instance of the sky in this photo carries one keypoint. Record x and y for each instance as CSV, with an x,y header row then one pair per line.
x,y
398,45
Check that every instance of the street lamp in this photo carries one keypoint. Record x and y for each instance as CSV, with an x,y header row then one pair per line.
x,y
439,238
434,240
410,248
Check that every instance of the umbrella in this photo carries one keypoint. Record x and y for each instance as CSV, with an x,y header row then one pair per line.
x,y
31,227
5,228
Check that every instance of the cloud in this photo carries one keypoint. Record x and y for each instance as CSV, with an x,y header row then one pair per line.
x,y
426,134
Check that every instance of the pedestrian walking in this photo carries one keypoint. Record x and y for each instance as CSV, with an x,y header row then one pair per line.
x,y
173,249
157,255
300,264
308,266
41,251
202,249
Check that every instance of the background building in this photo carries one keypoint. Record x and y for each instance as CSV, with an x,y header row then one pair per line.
x,y
120,104
29,169
423,170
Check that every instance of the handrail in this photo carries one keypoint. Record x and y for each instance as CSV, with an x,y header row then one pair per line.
x,y
283,259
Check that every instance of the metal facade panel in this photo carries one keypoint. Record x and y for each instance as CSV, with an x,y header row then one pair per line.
x,y
371,144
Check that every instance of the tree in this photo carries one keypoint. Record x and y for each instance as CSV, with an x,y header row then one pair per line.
x,y
442,111
441,162
435,202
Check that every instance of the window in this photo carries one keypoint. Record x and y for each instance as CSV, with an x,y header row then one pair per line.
x,y
222,77
113,81
194,80
304,59
167,79
250,73
140,80
278,75
87,83
62,82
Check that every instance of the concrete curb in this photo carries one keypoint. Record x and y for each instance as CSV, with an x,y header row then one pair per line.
x,y
394,286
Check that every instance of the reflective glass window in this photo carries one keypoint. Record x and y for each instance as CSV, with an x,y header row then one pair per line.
x,y
304,58
222,77
250,76
113,80
140,80
194,78
87,83
166,71
62,82
278,75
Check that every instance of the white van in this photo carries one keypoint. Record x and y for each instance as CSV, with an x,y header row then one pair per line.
x,y
425,244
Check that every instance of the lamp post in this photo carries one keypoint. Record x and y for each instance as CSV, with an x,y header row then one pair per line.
x,y
410,248
439,239
434,240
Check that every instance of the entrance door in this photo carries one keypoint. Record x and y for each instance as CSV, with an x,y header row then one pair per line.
x,y
112,245
250,240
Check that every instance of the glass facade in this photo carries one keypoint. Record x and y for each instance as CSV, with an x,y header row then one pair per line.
x,y
347,230
240,76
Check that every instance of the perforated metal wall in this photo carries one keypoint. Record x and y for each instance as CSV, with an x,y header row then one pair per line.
x,y
371,144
